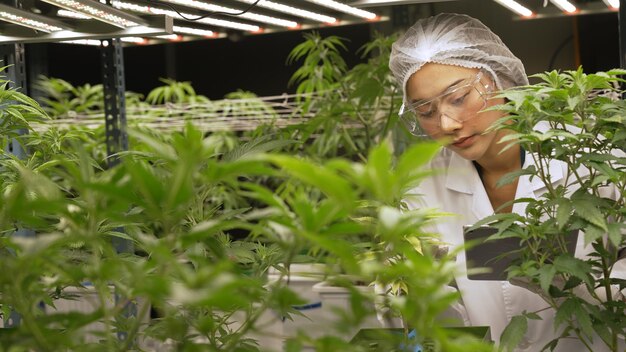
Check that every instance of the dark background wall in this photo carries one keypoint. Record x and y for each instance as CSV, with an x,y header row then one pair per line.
x,y
214,67
599,38
258,63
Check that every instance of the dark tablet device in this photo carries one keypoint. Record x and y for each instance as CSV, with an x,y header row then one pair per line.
x,y
495,255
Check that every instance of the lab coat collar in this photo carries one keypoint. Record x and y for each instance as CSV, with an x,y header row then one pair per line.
x,y
461,176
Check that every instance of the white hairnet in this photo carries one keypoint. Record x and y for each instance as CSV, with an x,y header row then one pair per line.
x,y
459,40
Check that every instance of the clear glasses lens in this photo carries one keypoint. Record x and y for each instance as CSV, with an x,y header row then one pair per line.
x,y
460,104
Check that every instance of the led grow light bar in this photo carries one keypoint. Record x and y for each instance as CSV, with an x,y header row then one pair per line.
x,y
345,8
207,20
290,10
30,20
93,42
72,14
248,15
100,12
515,7
194,31
171,37
134,40
613,4
156,25
564,5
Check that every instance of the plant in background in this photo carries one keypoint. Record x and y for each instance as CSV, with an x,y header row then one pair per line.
x,y
372,99
353,109
174,92
583,122
61,99
17,111
318,79
135,103
241,104
88,97
57,94
323,65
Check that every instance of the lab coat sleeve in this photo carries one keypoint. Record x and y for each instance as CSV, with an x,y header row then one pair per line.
x,y
414,200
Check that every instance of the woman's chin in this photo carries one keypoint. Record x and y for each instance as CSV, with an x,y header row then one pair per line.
x,y
470,153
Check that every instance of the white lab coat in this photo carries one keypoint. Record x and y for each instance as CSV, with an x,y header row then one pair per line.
x,y
459,190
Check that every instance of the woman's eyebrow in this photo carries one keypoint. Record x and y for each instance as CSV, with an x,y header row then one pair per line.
x,y
420,101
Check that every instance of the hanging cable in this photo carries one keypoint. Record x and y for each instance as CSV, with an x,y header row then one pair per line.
x,y
152,2
557,51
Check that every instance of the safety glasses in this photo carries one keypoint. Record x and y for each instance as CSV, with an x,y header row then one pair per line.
x,y
460,103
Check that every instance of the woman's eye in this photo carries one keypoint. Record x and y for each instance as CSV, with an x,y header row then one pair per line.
x,y
458,98
424,114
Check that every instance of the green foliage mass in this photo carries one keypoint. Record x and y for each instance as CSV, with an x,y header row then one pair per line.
x,y
203,216
583,119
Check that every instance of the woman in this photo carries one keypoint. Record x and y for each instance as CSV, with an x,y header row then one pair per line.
x,y
448,66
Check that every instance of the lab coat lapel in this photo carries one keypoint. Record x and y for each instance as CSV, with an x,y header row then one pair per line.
x,y
462,177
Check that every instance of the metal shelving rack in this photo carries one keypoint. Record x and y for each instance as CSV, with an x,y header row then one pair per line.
x,y
112,61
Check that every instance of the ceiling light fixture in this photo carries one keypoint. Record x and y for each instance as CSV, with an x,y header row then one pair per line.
x,y
94,42
516,7
345,9
100,12
564,5
290,10
30,20
195,31
248,15
613,4
207,20
156,25
135,40
72,14
371,3
171,37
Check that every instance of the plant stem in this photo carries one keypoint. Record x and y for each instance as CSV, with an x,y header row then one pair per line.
x,y
28,319
132,333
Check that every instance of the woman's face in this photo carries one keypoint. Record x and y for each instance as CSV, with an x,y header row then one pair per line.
x,y
447,101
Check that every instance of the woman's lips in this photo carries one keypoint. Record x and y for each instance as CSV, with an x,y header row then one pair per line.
x,y
464,142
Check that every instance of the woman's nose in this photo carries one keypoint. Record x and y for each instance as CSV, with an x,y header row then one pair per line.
x,y
448,124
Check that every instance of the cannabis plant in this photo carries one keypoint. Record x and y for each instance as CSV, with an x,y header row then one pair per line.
x,y
170,201
352,108
351,212
579,121
174,92
17,111
61,99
